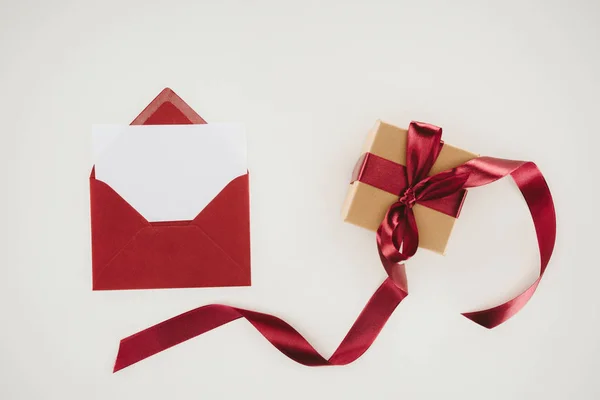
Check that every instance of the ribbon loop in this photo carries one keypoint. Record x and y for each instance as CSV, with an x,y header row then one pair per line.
x,y
423,148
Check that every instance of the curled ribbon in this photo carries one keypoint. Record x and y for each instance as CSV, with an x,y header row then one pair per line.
x,y
397,241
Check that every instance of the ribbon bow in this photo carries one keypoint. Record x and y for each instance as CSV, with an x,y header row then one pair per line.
x,y
398,236
397,240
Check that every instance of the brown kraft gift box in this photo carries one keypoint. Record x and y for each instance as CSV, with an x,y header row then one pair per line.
x,y
366,205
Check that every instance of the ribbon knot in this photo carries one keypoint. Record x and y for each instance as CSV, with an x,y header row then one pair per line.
x,y
408,198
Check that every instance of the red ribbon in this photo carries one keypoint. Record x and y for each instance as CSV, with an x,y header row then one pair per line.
x,y
397,241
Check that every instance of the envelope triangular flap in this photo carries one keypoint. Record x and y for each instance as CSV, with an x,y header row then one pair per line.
x,y
168,109
114,223
227,222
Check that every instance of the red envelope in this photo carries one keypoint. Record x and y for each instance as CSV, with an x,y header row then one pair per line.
x,y
129,252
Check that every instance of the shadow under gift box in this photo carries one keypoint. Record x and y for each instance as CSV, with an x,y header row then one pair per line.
x,y
384,153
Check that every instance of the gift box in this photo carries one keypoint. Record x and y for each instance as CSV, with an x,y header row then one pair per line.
x,y
379,179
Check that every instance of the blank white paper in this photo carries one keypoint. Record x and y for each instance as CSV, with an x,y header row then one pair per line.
x,y
169,172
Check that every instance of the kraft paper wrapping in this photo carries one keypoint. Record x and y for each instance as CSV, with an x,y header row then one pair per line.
x,y
366,205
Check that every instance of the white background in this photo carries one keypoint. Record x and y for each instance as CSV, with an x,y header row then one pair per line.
x,y
514,79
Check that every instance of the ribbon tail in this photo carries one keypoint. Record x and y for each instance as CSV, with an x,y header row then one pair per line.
x,y
423,147
369,323
397,273
495,316
410,235
279,333
397,241
171,332
537,195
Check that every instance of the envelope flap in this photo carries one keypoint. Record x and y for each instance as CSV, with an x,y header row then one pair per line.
x,y
114,222
168,109
168,257
226,220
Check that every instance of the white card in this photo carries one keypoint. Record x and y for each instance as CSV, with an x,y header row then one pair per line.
x,y
169,172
